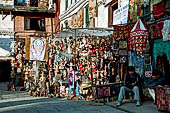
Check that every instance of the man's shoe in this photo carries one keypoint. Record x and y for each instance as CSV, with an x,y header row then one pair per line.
x,y
138,103
119,104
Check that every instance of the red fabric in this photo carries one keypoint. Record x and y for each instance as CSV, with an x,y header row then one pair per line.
x,y
81,67
93,70
138,26
162,97
137,41
157,7
156,30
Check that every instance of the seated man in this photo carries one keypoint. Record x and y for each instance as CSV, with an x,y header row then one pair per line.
x,y
156,79
132,83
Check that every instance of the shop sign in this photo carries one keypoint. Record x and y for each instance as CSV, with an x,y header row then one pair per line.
x,y
120,16
148,70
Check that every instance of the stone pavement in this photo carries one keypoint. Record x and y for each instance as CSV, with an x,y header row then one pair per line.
x,y
146,107
21,102
52,105
5,94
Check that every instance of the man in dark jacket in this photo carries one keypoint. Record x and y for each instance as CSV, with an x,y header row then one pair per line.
x,y
132,83
156,79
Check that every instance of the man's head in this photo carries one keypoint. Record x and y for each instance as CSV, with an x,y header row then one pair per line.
x,y
131,70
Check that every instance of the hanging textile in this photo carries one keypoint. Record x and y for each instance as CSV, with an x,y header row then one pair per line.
x,y
42,3
166,30
154,2
19,1
160,47
158,7
122,31
156,30
80,17
37,49
92,8
167,5
27,48
138,38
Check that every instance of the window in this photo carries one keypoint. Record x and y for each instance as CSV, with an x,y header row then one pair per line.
x,y
71,1
34,3
87,17
75,1
66,24
19,2
35,24
110,13
66,4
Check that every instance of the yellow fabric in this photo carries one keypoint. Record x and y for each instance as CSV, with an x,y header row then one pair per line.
x,y
27,48
92,8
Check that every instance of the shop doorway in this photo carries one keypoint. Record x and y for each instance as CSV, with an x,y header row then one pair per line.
x,y
162,64
5,70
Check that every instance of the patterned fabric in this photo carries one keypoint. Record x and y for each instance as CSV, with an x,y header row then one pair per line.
x,y
167,94
80,17
156,30
167,4
158,7
138,38
137,41
27,48
154,2
166,30
103,92
92,8
37,49
161,47
162,96
122,31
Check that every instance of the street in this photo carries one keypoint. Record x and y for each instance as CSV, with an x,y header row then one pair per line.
x,y
21,102
51,105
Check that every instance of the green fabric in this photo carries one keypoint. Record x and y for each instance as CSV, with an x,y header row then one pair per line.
x,y
156,2
160,48
167,5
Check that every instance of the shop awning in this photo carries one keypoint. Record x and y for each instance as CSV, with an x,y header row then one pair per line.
x,y
6,58
4,53
85,32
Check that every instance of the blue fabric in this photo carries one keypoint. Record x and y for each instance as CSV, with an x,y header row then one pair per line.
x,y
137,61
19,1
154,83
160,47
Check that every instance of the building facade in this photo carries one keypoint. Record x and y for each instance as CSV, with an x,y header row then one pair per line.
x,y
87,13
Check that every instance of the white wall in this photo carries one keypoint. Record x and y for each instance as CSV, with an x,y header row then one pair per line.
x,y
7,2
7,23
102,19
72,9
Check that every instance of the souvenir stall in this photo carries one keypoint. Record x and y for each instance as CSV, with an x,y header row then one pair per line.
x,y
90,61
36,67
120,48
18,60
31,66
